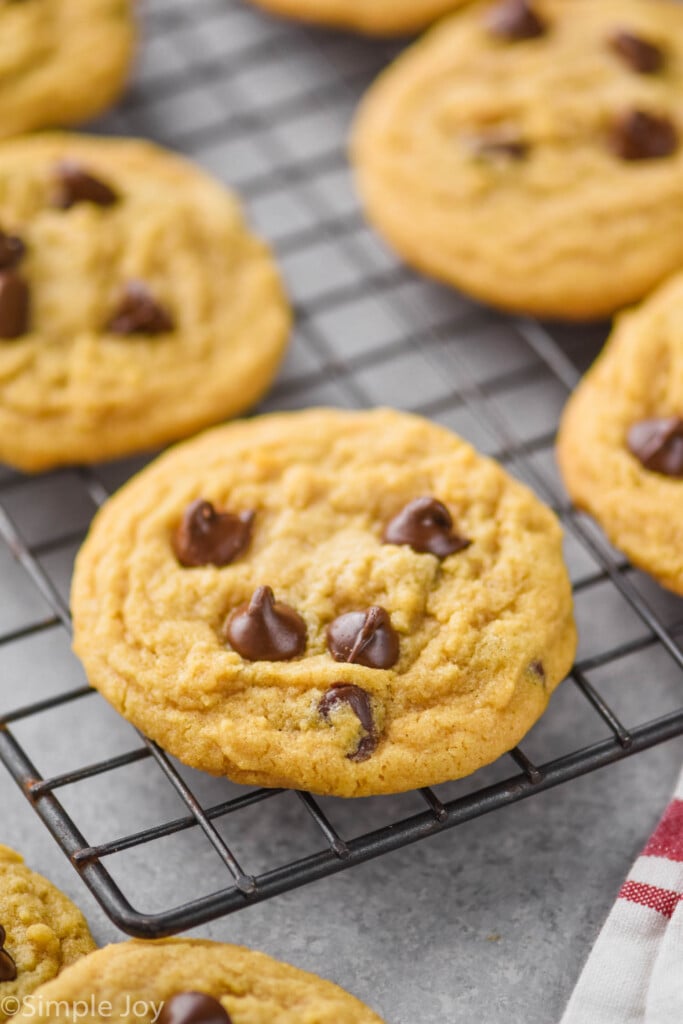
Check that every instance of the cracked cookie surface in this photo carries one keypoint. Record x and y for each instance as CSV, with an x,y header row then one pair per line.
x,y
61,61
474,641
540,173
374,17
152,310
237,986
633,484
42,931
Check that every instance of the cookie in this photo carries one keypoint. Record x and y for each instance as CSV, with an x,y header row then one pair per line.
x,y
61,61
374,17
346,602
620,446
193,981
135,306
41,932
531,153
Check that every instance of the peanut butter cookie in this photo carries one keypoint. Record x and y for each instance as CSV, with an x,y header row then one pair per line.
x,y
192,982
620,446
530,152
135,305
41,932
61,61
374,17
347,602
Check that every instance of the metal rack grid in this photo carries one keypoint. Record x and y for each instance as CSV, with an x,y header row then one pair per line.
x,y
266,106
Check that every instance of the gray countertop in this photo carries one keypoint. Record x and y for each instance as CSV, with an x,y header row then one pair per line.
x,y
488,922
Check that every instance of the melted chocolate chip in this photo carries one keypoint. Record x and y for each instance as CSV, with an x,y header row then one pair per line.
x,y
364,638
8,968
637,135
138,312
208,537
658,445
359,702
12,251
193,1008
516,19
504,147
264,629
15,304
640,55
426,526
73,184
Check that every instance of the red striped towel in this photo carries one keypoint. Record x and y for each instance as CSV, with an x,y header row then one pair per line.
x,y
634,974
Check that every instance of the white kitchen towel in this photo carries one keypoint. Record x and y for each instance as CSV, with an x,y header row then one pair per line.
x,y
634,974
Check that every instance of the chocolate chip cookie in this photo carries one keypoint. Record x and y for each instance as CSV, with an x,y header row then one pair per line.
x,y
193,982
347,602
374,17
61,61
41,932
620,446
530,152
135,305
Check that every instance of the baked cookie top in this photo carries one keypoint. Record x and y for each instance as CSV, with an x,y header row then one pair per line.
x,y
135,306
195,982
374,17
532,153
347,602
61,61
41,931
620,445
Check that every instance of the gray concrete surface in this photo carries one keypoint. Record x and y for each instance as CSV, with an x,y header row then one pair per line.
x,y
490,922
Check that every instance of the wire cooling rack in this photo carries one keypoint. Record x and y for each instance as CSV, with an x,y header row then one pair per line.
x,y
266,107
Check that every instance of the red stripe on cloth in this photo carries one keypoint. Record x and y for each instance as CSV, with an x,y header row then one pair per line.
x,y
667,839
664,901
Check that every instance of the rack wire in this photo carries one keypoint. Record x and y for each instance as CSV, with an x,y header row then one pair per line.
x,y
266,106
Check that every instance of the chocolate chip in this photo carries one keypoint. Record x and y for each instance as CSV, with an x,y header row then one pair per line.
x,y
8,968
12,251
516,19
640,55
208,537
425,524
138,312
193,1008
637,135
658,445
538,669
359,702
264,629
505,147
73,184
364,638
15,305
